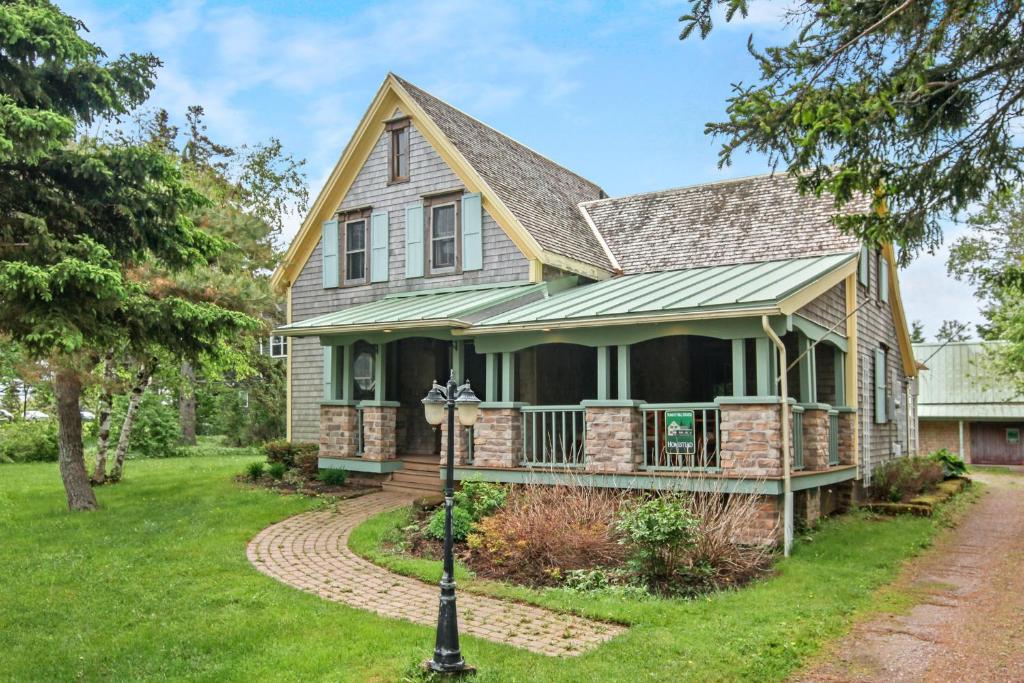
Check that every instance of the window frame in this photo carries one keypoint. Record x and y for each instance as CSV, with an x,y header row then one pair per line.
x,y
430,204
395,129
344,220
282,342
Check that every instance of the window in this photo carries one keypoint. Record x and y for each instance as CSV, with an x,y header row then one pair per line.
x,y
1012,435
355,251
278,346
442,237
363,379
399,155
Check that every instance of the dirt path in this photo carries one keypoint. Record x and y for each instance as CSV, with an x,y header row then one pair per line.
x,y
969,625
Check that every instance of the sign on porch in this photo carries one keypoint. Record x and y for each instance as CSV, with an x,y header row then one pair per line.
x,y
679,437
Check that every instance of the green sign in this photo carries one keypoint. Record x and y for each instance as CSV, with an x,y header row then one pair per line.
x,y
679,437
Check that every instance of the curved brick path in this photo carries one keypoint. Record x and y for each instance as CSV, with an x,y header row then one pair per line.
x,y
310,552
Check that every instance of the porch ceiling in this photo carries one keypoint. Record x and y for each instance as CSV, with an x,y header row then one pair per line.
x,y
740,289
448,307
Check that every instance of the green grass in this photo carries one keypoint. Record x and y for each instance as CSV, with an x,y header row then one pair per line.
x,y
156,586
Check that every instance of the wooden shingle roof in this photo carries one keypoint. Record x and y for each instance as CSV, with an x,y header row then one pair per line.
x,y
749,220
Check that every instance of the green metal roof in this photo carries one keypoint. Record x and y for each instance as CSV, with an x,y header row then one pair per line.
x,y
449,307
957,384
717,288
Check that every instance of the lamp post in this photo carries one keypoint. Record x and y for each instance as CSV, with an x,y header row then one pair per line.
x,y
451,398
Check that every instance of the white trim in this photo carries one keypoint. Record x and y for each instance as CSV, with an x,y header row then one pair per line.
x,y
600,238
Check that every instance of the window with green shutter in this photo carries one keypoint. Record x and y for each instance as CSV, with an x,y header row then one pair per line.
x,y
862,267
472,232
880,387
329,253
414,240
379,247
883,279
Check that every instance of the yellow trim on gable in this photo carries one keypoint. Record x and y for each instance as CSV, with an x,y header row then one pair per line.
x,y
390,96
795,302
288,372
898,314
852,368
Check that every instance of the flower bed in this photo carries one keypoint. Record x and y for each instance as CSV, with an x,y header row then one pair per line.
x,y
292,468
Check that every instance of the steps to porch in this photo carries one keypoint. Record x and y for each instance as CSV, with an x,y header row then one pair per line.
x,y
420,475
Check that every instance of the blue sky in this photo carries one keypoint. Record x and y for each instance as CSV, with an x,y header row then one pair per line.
x,y
606,89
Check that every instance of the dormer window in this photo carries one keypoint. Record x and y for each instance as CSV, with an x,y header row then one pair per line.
x,y
399,153
355,251
443,232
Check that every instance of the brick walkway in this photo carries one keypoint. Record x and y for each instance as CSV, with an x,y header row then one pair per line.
x,y
310,552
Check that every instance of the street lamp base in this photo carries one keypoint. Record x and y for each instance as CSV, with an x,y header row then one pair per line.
x,y
460,669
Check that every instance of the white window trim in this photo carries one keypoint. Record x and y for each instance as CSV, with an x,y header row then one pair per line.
x,y
454,238
283,344
365,251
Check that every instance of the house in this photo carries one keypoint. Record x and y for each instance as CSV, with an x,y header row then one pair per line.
x,y
622,341
966,407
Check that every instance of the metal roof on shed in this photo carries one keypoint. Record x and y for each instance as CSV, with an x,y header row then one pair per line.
x,y
957,384
748,286
455,307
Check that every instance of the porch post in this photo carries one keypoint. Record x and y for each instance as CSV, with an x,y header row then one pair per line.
x,y
739,367
603,374
839,371
624,373
330,373
508,376
808,383
457,360
765,367
491,374
378,372
345,375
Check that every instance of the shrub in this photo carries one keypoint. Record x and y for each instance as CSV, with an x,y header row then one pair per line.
x,y
543,532
903,478
255,470
333,477
719,556
307,458
156,429
462,524
28,441
480,498
280,451
302,454
952,464
657,530
277,470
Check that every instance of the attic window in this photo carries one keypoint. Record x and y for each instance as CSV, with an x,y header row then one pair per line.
x,y
399,154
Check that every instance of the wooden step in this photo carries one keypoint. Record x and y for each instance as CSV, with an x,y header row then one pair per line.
x,y
411,488
418,478
420,467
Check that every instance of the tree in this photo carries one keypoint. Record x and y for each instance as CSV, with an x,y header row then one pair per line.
x,y
83,220
917,332
952,331
915,105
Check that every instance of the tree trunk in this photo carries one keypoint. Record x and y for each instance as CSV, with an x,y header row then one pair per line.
x,y
67,387
99,473
187,405
142,378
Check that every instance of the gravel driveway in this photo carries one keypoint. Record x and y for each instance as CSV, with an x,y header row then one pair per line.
x,y
969,624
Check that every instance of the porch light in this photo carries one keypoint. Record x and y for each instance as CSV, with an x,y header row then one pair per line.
x,y
433,406
468,406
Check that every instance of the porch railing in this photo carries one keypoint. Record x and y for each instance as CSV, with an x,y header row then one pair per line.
x,y
554,436
833,438
360,436
797,437
698,450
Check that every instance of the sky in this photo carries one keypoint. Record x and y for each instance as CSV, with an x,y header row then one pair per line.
x,y
605,89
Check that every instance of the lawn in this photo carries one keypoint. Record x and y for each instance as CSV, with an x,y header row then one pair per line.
x,y
156,586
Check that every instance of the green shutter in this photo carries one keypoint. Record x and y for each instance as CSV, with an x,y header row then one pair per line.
x,y
883,280
472,232
329,244
880,375
379,247
414,240
862,270
330,372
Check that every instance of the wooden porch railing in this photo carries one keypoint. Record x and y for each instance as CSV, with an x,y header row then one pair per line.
x,y
554,436
833,438
796,435
700,453
360,434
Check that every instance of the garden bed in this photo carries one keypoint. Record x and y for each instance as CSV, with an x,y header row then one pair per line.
x,y
923,505
291,468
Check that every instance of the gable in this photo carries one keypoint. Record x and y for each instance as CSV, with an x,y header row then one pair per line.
x,y
389,97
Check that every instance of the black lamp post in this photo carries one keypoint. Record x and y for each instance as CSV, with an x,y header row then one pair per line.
x,y
451,398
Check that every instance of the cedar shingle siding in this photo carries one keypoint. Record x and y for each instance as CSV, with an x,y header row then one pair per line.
x,y
503,262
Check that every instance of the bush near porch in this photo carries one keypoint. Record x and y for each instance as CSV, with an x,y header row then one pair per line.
x,y
161,568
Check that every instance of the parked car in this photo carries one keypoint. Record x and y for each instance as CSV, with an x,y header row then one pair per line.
x,y
88,415
36,415
5,416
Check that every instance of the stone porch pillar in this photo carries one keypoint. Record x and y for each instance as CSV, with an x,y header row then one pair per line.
x,y
380,419
338,438
615,435
766,527
815,436
847,436
751,434
498,435
461,443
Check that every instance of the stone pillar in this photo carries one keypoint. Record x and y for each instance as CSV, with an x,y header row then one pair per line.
x,y
338,438
815,437
751,436
806,507
379,430
614,436
461,442
847,431
498,437
766,527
